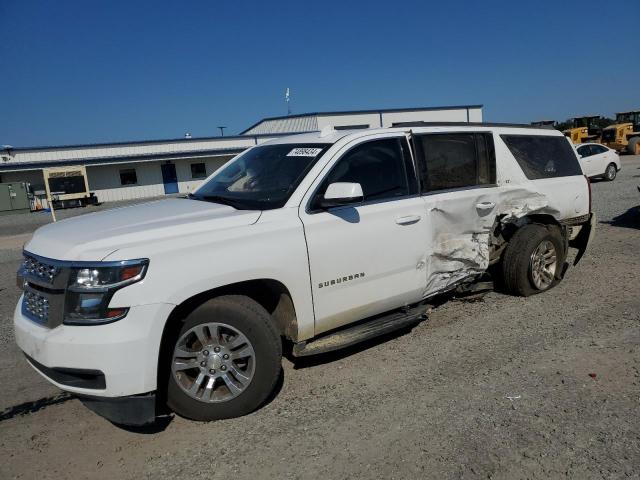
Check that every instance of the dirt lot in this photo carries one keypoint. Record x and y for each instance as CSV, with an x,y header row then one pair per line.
x,y
498,388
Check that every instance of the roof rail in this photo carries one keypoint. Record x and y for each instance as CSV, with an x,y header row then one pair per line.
x,y
469,124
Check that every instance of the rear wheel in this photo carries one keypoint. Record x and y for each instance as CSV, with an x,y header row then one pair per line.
x,y
611,172
634,146
226,360
533,259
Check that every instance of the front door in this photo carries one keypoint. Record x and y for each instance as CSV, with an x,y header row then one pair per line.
x,y
458,182
169,178
369,257
587,160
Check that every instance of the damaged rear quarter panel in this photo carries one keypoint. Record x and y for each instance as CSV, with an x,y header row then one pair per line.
x,y
460,232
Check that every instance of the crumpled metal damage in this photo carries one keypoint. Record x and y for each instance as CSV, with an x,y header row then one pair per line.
x,y
455,258
460,246
517,203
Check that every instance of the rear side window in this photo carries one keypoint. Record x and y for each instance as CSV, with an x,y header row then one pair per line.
x,y
542,156
455,160
597,149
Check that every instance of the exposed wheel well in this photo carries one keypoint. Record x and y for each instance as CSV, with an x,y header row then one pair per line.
x,y
503,231
271,294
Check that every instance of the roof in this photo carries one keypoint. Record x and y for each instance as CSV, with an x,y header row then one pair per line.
x,y
93,161
136,142
356,112
468,124
40,157
328,137
332,136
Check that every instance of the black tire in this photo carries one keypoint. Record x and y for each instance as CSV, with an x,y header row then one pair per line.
x,y
610,172
633,147
255,323
517,263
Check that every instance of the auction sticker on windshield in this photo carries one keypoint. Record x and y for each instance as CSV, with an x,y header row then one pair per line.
x,y
304,152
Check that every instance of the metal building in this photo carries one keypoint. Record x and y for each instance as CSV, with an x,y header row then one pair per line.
x,y
356,119
139,169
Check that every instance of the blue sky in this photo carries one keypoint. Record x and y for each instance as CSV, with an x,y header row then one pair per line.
x,y
81,72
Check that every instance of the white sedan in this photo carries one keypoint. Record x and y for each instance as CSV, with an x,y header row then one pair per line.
x,y
598,161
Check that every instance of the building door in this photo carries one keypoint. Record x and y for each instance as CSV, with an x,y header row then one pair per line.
x,y
169,178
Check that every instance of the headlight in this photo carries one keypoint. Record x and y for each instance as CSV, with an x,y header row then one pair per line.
x,y
100,277
91,288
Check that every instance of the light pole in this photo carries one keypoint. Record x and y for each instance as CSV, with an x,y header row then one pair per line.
x,y
222,131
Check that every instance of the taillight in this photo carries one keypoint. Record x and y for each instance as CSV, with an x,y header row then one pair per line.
x,y
589,187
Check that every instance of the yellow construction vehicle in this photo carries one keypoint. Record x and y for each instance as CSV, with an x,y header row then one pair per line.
x,y
544,123
624,135
584,129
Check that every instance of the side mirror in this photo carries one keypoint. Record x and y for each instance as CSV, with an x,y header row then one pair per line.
x,y
341,193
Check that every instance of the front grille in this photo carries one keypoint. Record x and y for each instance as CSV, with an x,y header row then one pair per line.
x,y
39,269
44,282
36,307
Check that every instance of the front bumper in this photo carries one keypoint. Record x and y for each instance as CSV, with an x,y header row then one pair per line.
x,y
135,410
124,353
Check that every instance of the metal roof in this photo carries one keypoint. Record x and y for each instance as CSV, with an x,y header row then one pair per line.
x,y
357,112
136,142
15,166
40,157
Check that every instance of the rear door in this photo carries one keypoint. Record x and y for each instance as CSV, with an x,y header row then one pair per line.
x,y
366,258
600,159
458,185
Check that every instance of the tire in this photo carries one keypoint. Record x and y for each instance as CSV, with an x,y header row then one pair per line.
x,y
518,263
235,327
610,172
633,147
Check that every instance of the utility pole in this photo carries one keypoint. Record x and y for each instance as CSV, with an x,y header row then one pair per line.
x,y
287,98
222,131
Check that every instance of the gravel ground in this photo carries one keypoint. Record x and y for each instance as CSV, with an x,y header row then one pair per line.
x,y
502,387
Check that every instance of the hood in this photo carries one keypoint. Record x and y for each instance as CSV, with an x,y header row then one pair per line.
x,y
96,235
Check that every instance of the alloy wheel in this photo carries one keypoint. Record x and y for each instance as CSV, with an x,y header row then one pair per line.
x,y
543,265
611,172
213,362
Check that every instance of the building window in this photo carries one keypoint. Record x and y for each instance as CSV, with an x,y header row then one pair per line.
x,y
198,170
128,176
351,127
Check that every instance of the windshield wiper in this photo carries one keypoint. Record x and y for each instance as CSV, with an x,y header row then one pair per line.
x,y
216,199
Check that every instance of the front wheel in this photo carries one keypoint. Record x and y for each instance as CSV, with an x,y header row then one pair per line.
x,y
533,260
226,360
611,172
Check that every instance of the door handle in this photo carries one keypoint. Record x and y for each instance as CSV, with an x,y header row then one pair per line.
x,y
485,205
408,220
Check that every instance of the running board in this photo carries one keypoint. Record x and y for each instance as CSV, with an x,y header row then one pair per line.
x,y
361,332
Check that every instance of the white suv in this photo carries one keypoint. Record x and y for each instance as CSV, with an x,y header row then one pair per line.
x,y
321,239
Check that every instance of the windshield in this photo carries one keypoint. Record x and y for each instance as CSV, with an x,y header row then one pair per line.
x,y
262,178
625,118
584,122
